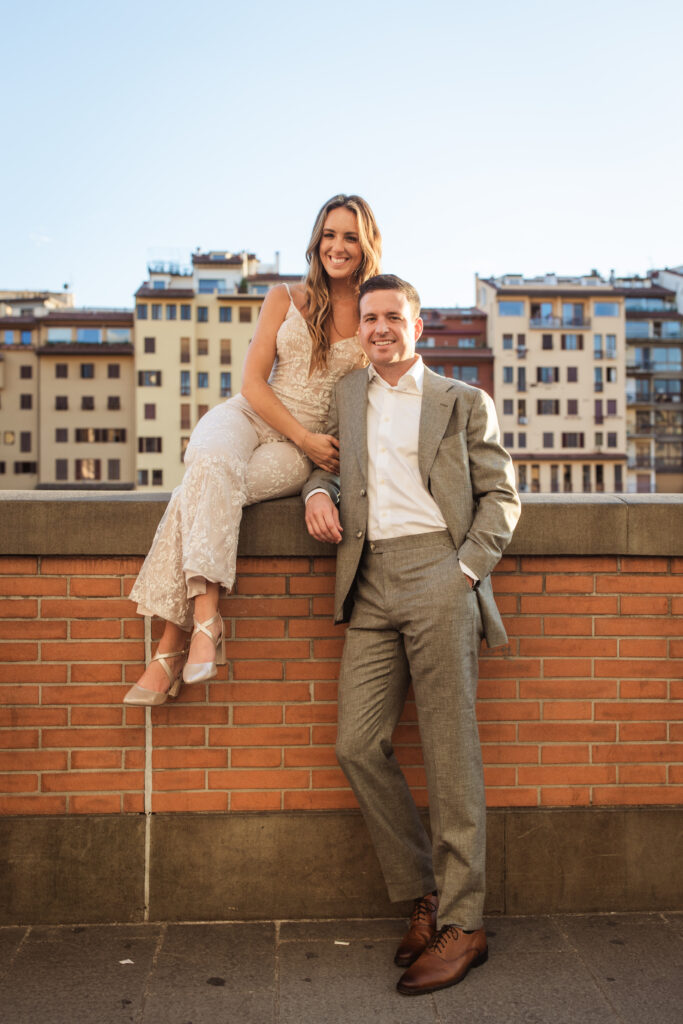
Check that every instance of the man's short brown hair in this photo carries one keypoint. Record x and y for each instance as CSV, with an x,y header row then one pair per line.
x,y
391,283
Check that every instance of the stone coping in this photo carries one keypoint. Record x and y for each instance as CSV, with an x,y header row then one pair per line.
x,y
123,523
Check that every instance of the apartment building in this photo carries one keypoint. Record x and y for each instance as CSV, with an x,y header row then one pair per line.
x,y
559,379
454,344
192,328
654,382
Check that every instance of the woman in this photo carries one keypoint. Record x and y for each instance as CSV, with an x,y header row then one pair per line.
x,y
260,444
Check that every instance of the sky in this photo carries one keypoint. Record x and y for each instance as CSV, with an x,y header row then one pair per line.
x,y
524,136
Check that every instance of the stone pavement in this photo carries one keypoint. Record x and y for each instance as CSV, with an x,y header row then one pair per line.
x,y
587,969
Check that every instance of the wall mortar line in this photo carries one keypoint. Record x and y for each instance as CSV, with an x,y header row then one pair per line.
x,y
148,774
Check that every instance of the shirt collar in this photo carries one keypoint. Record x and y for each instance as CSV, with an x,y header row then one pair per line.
x,y
412,380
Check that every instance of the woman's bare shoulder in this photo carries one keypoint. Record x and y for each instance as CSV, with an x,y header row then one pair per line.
x,y
298,293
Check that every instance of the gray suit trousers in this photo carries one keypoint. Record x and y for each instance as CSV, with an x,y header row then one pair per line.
x,y
416,619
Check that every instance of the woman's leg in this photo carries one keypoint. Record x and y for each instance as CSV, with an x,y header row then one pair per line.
x,y
154,677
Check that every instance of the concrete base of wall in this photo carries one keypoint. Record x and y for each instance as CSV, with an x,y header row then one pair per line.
x,y
58,870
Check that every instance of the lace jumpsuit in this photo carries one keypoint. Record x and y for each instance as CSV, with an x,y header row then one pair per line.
x,y
234,459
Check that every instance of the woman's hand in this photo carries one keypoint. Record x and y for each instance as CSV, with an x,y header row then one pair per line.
x,y
322,449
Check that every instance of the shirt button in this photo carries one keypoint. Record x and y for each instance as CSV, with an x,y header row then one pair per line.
x,y
359,533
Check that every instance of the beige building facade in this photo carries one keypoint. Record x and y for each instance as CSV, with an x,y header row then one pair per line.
x,y
559,379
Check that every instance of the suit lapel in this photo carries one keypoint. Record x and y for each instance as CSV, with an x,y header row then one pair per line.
x,y
438,398
358,426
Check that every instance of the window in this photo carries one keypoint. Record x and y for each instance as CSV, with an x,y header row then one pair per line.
x,y
469,374
508,308
202,346
113,403
508,439
567,479
618,482
611,406
508,407
156,311
521,440
226,353
61,370
150,411
159,286
87,371
548,407
521,341
547,341
508,375
598,410
184,382
535,479
61,402
572,342
209,285
171,312
612,440
554,479
61,469
225,314
9,340
572,407
507,341
467,342
9,437
547,374
202,380
119,334
185,312
226,384
597,378
597,346
113,469
573,440
143,477
26,372
149,378
184,350
88,402
606,309
611,374
245,314
25,441
89,335
157,478
572,314
599,439
26,401
522,484
149,444
25,467
548,440
150,346
88,469
586,479
113,371
202,314
26,340
141,311
202,411
61,435
185,423
572,374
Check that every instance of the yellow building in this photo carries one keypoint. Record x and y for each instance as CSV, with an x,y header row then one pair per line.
x,y
192,328
559,379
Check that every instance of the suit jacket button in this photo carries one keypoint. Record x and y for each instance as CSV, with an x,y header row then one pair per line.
x,y
362,493
359,533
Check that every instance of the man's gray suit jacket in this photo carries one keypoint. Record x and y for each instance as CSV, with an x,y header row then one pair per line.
x,y
462,464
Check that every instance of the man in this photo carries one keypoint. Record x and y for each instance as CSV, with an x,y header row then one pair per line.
x,y
427,504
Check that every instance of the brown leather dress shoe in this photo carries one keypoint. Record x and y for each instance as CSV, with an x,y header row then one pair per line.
x,y
445,961
421,931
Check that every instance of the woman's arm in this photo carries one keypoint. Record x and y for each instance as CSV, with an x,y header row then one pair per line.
x,y
320,448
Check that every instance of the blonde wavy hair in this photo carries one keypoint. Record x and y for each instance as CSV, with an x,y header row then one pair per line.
x,y
318,302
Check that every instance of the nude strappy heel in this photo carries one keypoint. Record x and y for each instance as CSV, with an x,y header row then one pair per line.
x,y
140,696
201,671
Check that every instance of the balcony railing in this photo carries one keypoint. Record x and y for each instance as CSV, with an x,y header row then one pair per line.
x,y
641,462
545,321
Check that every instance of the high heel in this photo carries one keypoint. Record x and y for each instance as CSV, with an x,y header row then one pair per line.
x,y
201,671
140,696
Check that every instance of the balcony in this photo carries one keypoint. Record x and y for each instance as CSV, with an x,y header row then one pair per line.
x,y
641,462
545,322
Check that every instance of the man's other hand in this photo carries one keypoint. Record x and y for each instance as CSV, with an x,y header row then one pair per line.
x,y
322,519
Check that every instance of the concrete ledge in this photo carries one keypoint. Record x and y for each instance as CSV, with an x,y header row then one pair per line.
x,y
308,864
115,523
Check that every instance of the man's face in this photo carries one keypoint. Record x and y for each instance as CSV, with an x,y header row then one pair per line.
x,y
388,331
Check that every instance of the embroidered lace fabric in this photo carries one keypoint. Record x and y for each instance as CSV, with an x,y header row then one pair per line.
x,y
234,459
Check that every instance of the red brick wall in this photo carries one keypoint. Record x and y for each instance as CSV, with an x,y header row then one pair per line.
x,y
584,707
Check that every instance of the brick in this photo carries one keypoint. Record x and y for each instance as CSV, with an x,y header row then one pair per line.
x,y
69,738
570,605
328,648
664,626
565,796
184,757
676,773
569,584
562,564
566,625
108,673
642,774
18,652
644,605
39,804
567,710
266,736
271,714
18,608
635,732
326,565
33,673
508,563
326,735
643,689
319,800
334,778
73,566
639,668
33,586
510,754
567,732
523,625
580,667
311,713
277,607
266,757
18,783
625,753
508,711
565,753
21,566
265,691
73,608
260,585
199,801
33,760
258,778
102,587
557,689
639,585
245,649
639,711
323,606
180,779
135,759
325,691
315,627
631,795
32,630
257,670
265,629
312,670
253,801
567,647
636,563
312,585
102,803
676,648
179,736
84,759
22,694
511,797
495,732
513,668
564,774
19,739
676,689
497,689
75,782
133,629
96,716
17,717
178,713
73,694
519,584
639,648
100,630
278,565
133,803
121,650
309,757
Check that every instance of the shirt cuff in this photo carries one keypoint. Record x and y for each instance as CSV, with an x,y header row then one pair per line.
x,y
318,490
465,568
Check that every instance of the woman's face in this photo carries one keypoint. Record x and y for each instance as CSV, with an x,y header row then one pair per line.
x,y
340,250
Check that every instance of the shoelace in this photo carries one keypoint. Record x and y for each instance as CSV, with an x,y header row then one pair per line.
x,y
439,940
422,910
